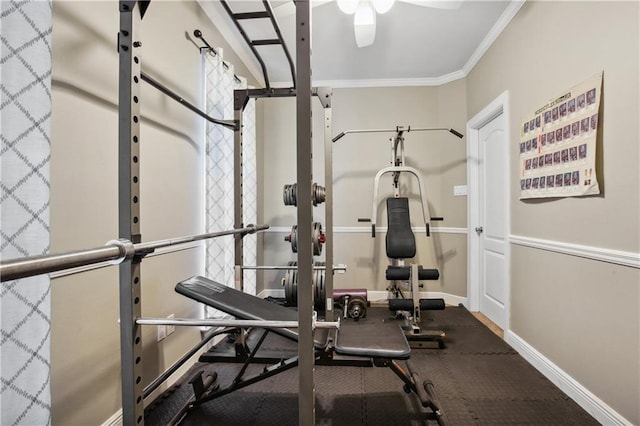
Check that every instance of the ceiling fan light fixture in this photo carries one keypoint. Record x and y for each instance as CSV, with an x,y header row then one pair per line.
x,y
364,24
382,6
364,14
348,6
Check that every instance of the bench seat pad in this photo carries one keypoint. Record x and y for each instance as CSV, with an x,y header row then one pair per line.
x,y
375,340
244,306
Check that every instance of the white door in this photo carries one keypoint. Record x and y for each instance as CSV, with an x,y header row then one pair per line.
x,y
491,229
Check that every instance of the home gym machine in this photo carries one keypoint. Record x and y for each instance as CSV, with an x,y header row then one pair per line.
x,y
400,241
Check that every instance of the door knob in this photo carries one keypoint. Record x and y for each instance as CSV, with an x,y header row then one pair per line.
x,y
479,229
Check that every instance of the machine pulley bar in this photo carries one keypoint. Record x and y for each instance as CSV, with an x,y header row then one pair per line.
x,y
187,322
396,130
114,251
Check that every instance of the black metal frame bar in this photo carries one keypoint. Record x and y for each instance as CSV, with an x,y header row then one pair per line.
x,y
176,365
266,14
129,45
182,101
131,14
304,173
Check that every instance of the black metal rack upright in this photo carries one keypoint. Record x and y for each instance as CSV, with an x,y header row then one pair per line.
x,y
129,48
130,75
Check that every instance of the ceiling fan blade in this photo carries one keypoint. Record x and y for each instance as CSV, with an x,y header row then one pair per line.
x,y
437,4
288,8
364,24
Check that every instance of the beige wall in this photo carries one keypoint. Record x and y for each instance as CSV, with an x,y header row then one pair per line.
x,y
85,369
439,157
581,314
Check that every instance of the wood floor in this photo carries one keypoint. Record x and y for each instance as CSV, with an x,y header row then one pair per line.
x,y
490,324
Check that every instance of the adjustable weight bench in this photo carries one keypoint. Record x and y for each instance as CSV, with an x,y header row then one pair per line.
x,y
353,339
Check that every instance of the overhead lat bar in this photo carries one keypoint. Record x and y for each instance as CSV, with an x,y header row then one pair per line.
x,y
396,130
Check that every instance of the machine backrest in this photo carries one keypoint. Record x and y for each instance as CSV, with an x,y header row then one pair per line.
x,y
400,241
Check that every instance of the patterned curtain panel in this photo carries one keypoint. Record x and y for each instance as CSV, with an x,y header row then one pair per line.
x,y
219,85
24,209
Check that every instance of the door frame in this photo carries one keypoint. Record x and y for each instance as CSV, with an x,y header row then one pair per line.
x,y
498,106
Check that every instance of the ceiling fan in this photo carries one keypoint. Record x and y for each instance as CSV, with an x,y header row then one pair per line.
x,y
364,13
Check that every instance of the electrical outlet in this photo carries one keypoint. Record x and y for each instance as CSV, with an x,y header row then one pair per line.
x,y
162,332
171,328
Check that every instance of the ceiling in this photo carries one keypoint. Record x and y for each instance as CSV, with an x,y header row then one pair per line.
x,y
414,45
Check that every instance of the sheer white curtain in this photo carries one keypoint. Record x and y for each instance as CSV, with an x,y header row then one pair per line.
x,y
220,82
25,304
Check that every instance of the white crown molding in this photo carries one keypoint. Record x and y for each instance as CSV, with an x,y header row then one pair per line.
x,y
383,82
502,22
617,257
382,229
602,412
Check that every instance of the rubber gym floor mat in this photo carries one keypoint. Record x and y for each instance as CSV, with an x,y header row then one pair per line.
x,y
479,380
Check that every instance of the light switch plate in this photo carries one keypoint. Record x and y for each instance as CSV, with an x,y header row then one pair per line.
x,y
459,190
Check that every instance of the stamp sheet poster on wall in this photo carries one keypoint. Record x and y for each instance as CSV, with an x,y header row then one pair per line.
x,y
558,144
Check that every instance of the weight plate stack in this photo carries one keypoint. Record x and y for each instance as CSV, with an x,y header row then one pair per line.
x,y
290,194
318,238
290,283
318,286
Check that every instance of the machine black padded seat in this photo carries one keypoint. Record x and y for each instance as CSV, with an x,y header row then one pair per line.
x,y
397,273
357,338
400,242
245,306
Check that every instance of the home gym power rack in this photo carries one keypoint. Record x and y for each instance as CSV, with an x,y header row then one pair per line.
x,y
303,91
129,250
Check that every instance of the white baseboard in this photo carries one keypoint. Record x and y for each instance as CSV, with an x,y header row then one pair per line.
x,y
115,420
602,412
271,292
378,296
449,299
